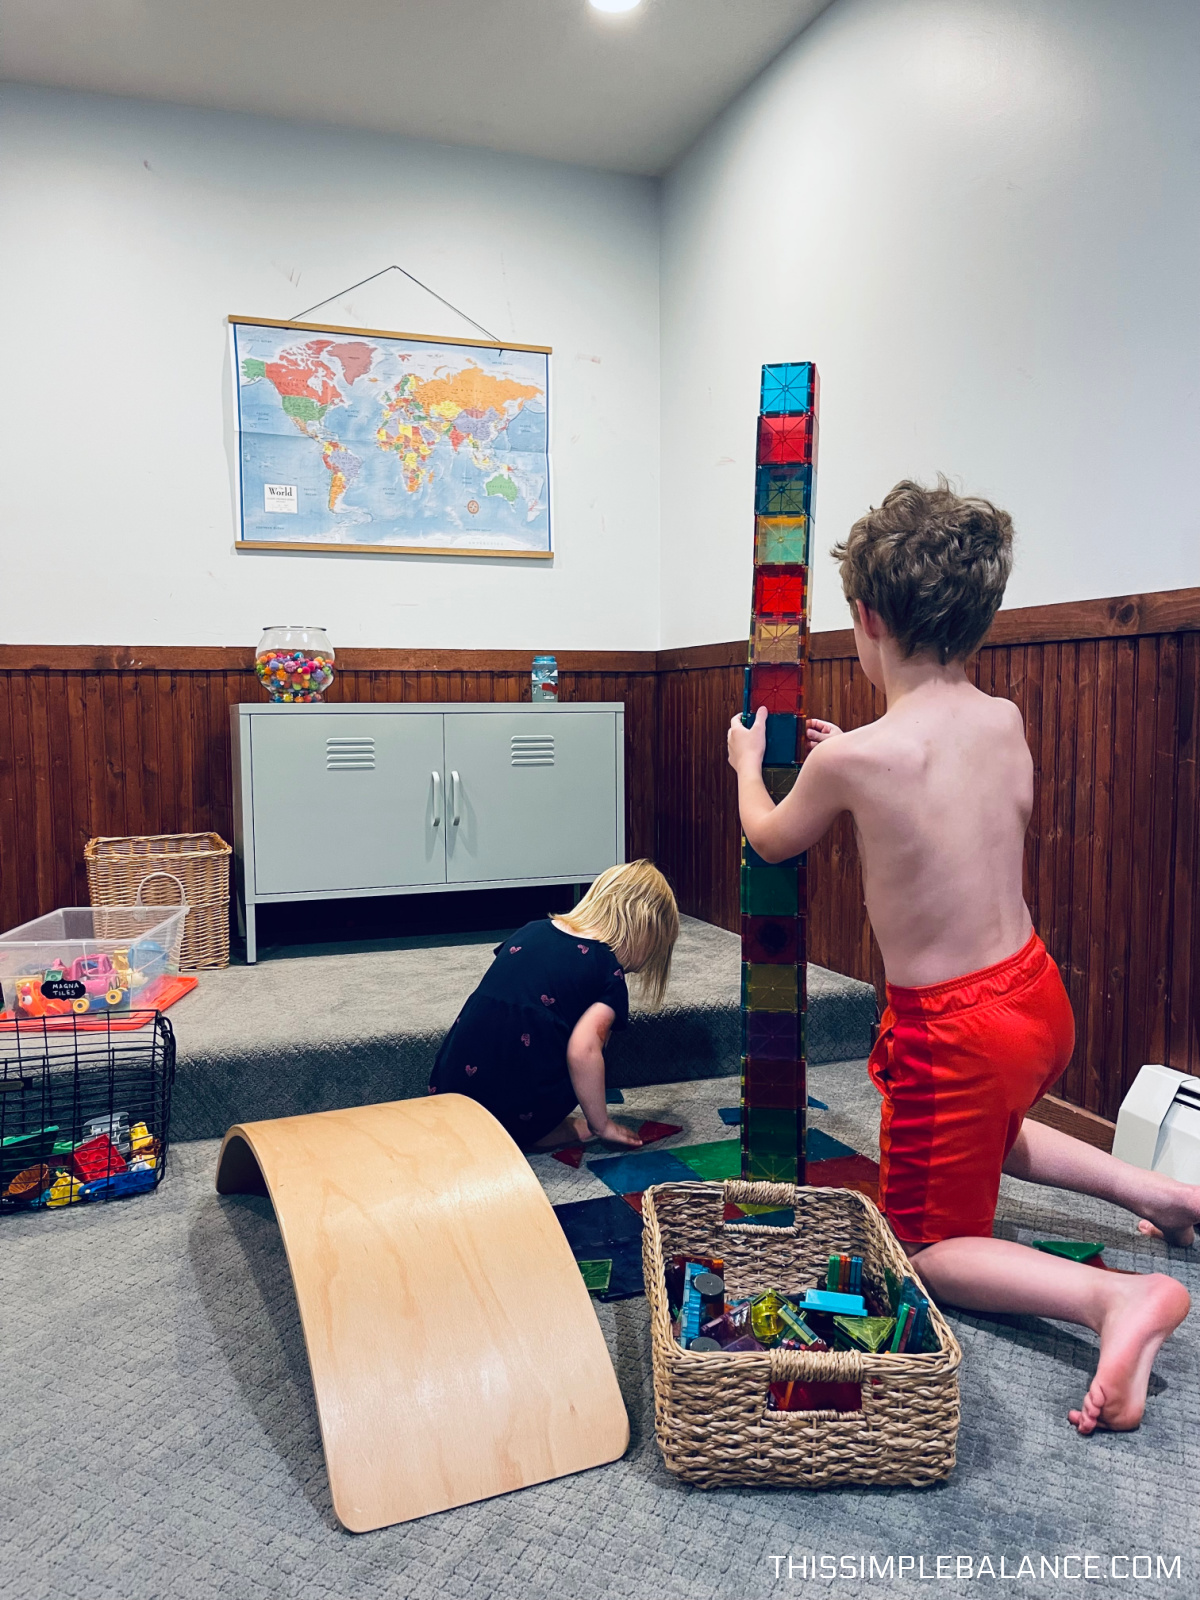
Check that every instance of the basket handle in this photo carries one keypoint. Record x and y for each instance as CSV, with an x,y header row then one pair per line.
x,y
820,1366
781,1196
161,874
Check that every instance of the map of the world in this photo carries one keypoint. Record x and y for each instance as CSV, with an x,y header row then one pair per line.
x,y
349,438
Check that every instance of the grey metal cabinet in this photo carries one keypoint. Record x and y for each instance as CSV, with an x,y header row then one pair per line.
x,y
351,800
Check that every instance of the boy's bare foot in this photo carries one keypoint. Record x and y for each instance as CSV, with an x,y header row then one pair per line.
x,y
1145,1311
1173,1217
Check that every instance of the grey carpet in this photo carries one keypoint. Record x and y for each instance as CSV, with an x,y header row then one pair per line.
x,y
363,1024
161,1439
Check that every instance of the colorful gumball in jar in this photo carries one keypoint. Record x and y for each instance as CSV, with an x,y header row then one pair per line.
x,y
294,662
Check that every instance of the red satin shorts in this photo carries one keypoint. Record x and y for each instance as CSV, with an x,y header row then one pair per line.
x,y
958,1065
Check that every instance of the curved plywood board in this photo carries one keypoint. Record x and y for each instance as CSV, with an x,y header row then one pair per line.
x,y
454,1349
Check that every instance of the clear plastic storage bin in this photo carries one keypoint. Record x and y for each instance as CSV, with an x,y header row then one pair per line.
x,y
89,959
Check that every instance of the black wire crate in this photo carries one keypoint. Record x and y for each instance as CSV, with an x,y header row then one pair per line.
x,y
85,1108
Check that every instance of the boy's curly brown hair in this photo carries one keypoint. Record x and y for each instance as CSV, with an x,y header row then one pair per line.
x,y
933,564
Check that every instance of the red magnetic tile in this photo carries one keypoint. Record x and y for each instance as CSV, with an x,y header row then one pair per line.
x,y
785,439
771,940
779,591
773,1085
634,1200
570,1155
652,1132
732,1213
816,1396
779,688
846,1172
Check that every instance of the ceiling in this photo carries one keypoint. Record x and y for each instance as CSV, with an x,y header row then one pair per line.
x,y
541,77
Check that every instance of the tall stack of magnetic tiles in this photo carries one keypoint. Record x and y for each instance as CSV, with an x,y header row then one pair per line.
x,y
775,897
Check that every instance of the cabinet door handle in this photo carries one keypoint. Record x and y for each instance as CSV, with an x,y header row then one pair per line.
x,y
437,799
454,787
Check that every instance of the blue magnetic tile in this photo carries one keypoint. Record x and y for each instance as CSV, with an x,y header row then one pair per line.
x,y
638,1170
771,1219
730,1115
782,729
606,1227
818,1104
614,1097
787,386
819,1146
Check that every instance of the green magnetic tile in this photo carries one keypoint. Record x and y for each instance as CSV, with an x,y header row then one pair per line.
x,y
774,1130
713,1162
768,988
780,539
596,1275
773,1169
1069,1249
769,891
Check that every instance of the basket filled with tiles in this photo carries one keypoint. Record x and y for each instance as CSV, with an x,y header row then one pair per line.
x,y
868,1417
189,869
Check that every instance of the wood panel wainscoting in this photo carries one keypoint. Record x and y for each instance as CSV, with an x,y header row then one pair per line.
x,y
119,740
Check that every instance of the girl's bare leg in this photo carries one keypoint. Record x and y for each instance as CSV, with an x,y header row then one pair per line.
x,y
1133,1314
1044,1155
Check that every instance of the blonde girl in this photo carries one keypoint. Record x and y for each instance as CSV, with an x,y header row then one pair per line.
x,y
529,1043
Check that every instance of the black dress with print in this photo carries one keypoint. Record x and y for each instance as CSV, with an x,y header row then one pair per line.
x,y
508,1048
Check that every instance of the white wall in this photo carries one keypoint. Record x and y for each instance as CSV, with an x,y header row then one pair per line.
x,y
132,230
982,219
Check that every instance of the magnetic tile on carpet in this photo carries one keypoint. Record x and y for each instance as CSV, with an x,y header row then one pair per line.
x,y
606,1229
648,1132
714,1162
820,1146
846,1172
638,1170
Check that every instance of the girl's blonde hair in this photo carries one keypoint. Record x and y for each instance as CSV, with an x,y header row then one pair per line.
x,y
631,908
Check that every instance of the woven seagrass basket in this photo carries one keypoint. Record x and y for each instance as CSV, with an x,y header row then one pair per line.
x,y
710,1410
169,869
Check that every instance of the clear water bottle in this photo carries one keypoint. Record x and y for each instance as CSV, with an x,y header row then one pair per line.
x,y
545,678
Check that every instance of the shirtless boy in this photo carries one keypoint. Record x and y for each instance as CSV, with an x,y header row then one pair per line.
x,y
978,1025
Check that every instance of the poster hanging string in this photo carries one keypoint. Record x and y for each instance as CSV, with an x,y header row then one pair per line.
x,y
393,268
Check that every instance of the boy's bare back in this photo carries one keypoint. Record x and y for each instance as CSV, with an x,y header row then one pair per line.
x,y
940,789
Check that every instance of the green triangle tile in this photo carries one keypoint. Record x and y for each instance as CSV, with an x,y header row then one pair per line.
x,y
1072,1249
596,1275
713,1162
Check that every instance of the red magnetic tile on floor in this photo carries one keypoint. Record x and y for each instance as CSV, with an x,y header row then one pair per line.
x,y
570,1155
651,1132
846,1172
634,1200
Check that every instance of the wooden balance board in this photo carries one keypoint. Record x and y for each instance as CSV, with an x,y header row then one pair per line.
x,y
454,1348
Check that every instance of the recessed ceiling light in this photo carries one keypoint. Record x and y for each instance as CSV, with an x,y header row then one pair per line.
x,y
615,5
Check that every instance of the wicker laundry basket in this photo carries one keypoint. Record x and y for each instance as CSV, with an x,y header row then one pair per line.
x,y
169,869
710,1410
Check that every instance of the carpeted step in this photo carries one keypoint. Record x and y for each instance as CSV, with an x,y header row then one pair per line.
x,y
320,1027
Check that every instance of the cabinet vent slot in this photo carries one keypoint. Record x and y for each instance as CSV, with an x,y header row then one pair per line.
x,y
532,749
349,755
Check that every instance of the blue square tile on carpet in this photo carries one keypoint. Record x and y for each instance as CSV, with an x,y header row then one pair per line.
x,y
606,1227
631,1173
820,1146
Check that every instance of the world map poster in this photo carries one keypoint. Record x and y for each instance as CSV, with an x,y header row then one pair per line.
x,y
389,441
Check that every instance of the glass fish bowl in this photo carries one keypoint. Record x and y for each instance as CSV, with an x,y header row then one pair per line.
x,y
294,662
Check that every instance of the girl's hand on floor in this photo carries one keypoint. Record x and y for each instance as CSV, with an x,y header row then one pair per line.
x,y
613,1133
